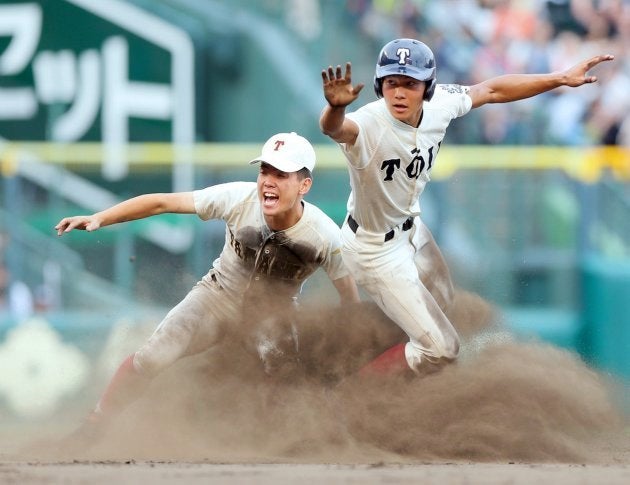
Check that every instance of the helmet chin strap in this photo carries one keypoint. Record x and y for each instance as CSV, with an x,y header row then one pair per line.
x,y
421,115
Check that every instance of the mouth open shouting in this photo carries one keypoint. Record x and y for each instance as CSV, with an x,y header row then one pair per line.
x,y
270,200
280,195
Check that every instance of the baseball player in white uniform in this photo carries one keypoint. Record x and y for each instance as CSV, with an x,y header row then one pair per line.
x,y
274,240
391,146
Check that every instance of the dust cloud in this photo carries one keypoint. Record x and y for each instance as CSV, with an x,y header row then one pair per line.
x,y
504,400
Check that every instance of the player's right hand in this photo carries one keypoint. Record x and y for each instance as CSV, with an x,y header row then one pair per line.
x,y
83,223
338,89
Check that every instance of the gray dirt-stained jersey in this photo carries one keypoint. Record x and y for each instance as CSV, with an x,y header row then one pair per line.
x,y
255,256
390,162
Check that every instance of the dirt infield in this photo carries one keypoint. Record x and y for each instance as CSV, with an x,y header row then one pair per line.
x,y
507,412
263,474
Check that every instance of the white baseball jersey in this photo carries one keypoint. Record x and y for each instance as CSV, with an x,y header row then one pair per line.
x,y
390,161
399,265
255,255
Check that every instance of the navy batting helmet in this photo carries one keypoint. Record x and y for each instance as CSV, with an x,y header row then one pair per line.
x,y
406,57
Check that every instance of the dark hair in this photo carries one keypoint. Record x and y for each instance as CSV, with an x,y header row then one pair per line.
x,y
304,173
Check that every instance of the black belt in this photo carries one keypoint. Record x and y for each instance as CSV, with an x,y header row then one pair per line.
x,y
354,225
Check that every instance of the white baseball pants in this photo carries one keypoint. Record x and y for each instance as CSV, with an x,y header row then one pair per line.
x,y
409,280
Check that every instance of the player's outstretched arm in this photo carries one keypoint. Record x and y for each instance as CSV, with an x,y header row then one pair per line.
x,y
513,87
339,93
130,210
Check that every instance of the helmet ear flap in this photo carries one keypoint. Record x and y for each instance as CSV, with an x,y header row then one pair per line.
x,y
430,89
378,87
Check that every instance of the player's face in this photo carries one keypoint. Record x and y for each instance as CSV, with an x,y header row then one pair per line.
x,y
280,194
403,95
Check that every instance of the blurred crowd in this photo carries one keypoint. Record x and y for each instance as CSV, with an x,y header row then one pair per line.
x,y
474,40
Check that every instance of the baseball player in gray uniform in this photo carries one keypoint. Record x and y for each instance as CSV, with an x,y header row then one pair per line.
x,y
391,145
274,240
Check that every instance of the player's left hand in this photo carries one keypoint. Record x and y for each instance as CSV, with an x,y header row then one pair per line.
x,y
577,75
338,88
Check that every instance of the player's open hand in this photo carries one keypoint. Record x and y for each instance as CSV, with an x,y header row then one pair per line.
x,y
83,223
578,74
338,89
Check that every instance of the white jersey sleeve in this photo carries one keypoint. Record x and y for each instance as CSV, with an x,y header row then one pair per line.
x,y
218,201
